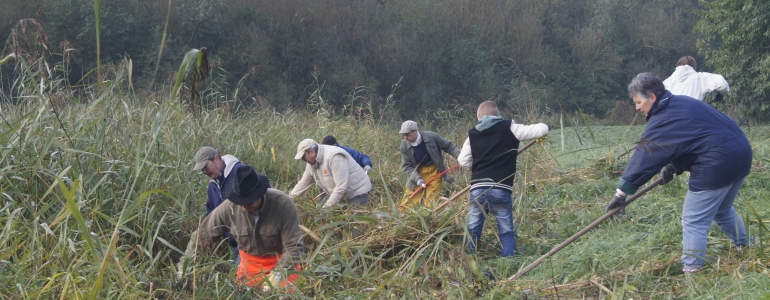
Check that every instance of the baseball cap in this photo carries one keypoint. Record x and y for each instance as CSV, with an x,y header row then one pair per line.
x,y
303,146
202,156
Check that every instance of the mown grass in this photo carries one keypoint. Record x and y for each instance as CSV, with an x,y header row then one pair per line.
x,y
98,198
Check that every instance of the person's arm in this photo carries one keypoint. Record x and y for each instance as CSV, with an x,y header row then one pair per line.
x,y
213,199
713,82
303,184
447,146
212,228
528,132
406,164
466,156
291,237
363,160
653,152
340,172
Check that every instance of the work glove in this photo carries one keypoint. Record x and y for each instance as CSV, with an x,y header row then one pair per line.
x,y
667,173
367,168
273,280
541,139
718,97
421,183
618,201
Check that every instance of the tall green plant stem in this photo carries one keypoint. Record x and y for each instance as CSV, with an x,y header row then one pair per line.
x,y
98,42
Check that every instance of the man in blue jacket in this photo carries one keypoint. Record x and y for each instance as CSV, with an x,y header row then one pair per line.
x,y
684,134
218,168
363,160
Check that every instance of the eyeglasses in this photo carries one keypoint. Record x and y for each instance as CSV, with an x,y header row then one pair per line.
x,y
206,167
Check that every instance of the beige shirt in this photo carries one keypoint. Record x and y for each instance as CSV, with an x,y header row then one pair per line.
x,y
337,173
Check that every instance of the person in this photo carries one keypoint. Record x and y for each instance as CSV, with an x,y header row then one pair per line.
x,y
218,168
686,81
490,153
421,160
363,160
683,133
265,224
335,172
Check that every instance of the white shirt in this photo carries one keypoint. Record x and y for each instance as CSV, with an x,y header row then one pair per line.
x,y
685,81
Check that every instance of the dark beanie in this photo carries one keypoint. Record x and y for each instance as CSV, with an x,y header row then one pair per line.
x,y
329,140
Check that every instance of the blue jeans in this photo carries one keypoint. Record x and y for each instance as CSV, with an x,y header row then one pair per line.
x,y
700,209
236,255
499,203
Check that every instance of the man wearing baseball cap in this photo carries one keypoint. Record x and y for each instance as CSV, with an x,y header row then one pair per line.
x,y
422,160
265,224
218,168
335,171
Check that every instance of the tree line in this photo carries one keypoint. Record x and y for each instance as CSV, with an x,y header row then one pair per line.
x,y
410,56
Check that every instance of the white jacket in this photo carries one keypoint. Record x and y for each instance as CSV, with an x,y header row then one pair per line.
x,y
337,173
685,81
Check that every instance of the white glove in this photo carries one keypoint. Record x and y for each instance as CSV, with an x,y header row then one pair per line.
x,y
421,183
367,168
274,280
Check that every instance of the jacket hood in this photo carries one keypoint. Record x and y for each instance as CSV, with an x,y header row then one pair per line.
x,y
230,162
487,122
682,73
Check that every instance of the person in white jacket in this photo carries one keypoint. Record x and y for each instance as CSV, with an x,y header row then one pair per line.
x,y
490,153
335,171
686,81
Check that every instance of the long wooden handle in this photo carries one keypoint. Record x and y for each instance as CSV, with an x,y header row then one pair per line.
x,y
432,179
584,230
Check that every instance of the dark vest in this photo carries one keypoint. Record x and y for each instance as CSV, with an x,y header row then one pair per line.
x,y
494,156
421,155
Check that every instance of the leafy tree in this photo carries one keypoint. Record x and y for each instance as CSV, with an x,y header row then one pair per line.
x,y
737,44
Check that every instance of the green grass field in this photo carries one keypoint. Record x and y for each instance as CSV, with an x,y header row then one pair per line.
x,y
99,198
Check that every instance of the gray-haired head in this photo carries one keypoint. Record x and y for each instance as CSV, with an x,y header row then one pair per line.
x,y
645,84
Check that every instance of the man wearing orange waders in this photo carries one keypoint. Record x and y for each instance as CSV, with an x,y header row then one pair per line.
x,y
422,161
264,222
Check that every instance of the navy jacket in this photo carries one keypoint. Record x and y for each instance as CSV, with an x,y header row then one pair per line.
x,y
360,158
692,136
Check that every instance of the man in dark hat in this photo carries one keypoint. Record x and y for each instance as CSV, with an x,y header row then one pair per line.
x,y
265,224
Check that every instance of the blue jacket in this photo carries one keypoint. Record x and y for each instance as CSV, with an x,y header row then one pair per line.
x,y
692,136
218,187
360,158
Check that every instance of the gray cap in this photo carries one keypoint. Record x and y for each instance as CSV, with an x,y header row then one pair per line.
x,y
303,146
408,126
202,156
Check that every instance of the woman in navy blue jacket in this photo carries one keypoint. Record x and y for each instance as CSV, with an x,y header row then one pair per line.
x,y
684,134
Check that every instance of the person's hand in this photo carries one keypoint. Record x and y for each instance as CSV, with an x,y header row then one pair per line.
x,y
718,97
618,201
273,280
367,168
421,183
541,139
667,173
